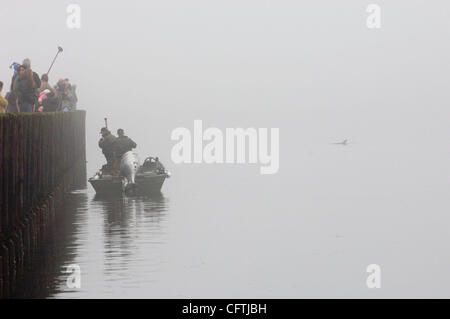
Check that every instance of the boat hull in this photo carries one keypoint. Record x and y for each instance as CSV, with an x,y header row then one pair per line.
x,y
133,178
114,185
148,184
107,185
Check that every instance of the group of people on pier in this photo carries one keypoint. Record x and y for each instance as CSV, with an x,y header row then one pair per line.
x,y
31,93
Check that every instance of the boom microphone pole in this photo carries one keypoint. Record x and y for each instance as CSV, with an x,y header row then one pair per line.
x,y
59,51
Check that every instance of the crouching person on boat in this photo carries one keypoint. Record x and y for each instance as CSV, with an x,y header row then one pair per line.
x,y
123,144
108,145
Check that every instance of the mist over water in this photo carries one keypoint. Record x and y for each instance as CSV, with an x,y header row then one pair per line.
x,y
311,69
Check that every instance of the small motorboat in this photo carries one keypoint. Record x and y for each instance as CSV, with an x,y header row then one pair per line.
x,y
132,178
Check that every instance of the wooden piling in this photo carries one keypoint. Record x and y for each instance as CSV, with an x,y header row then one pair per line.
x,y
42,155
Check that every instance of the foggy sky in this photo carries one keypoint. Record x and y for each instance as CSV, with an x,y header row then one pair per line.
x,y
254,62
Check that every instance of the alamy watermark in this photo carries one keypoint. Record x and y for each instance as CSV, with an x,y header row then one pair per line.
x,y
374,19
73,20
73,281
235,145
374,278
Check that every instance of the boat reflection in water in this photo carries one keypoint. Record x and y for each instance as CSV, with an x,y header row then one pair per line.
x,y
130,243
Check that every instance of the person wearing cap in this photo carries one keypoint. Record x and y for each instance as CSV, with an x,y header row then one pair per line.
x,y
124,143
108,145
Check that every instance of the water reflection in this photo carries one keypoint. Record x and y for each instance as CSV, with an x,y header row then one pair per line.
x,y
129,223
40,276
110,238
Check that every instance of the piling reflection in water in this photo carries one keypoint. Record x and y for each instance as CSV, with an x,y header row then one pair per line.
x,y
107,237
39,278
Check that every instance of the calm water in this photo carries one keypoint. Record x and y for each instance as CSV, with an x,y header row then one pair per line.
x,y
308,231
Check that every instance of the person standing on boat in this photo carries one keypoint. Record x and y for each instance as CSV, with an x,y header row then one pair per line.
x,y
108,145
124,144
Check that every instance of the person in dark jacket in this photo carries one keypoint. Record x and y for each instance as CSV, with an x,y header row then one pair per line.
x,y
27,65
25,90
51,103
108,145
13,107
124,143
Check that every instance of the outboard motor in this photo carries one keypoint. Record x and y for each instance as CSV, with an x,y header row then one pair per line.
x,y
129,165
153,164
